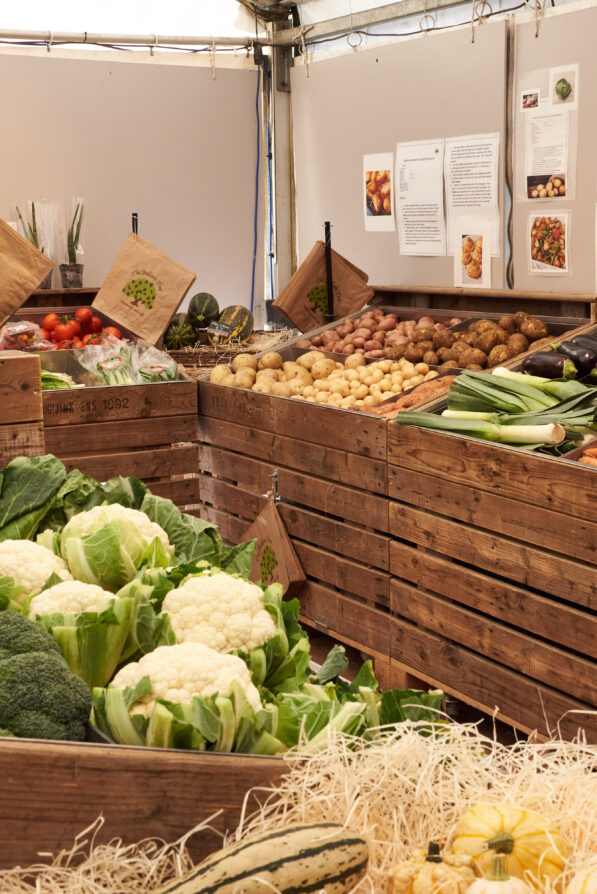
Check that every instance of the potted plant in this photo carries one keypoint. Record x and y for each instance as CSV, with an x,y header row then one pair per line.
x,y
72,273
32,235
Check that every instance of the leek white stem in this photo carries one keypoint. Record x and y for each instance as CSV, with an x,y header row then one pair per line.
x,y
535,381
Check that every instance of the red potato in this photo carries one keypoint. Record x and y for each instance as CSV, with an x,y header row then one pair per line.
x,y
378,313
359,350
371,345
338,346
376,354
397,339
370,324
358,341
379,336
302,343
343,331
401,327
423,322
328,336
386,325
317,341
362,332
348,349
439,326
454,321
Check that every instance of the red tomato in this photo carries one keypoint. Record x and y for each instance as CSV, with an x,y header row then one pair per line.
x,y
95,324
64,331
93,338
77,343
50,321
44,333
76,326
84,315
112,330
65,344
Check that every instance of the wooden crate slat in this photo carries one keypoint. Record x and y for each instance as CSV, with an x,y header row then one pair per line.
x,y
232,529
68,440
505,645
145,464
122,402
167,793
326,462
551,620
535,568
182,491
537,480
327,610
20,387
315,493
343,574
21,439
343,538
365,434
501,515
478,680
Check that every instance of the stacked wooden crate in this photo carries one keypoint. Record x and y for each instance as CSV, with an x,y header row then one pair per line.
x,y
142,430
21,425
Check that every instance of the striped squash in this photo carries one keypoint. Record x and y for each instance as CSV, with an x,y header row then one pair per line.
x,y
295,860
240,323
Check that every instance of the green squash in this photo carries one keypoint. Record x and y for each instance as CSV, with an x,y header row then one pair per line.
x,y
239,326
179,334
203,309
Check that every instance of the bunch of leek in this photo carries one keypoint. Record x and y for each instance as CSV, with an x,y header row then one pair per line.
x,y
514,408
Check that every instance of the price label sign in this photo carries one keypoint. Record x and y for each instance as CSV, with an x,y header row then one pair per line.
x,y
219,332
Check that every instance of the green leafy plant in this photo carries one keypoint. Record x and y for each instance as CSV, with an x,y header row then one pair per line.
x,y
74,232
30,229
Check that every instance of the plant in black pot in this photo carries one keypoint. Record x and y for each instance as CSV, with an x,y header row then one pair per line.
x,y
72,273
33,236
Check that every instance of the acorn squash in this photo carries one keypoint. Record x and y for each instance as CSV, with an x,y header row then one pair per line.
x,y
179,334
203,309
234,326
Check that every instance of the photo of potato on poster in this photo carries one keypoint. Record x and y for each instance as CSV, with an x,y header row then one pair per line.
x,y
378,189
540,186
548,243
472,262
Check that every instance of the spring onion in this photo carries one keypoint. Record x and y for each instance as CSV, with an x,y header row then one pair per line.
x,y
489,431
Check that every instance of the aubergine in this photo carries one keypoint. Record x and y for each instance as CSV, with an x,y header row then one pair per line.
x,y
588,341
549,365
584,359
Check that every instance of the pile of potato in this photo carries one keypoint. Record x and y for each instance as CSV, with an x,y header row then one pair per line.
x,y
371,334
317,379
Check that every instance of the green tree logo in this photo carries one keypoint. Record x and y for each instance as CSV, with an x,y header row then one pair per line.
x,y
268,563
142,291
318,297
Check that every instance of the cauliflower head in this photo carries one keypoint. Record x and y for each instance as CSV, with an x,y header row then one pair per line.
x,y
30,565
177,673
220,611
92,520
70,596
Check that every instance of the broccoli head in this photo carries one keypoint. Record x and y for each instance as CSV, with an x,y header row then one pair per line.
x,y
19,635
40,698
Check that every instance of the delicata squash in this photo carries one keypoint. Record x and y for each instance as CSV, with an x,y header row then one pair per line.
x,y
534,849
432,873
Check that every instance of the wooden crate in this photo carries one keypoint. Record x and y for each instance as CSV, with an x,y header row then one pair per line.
x,y
333,482
21,426
140,792
149,431
493,566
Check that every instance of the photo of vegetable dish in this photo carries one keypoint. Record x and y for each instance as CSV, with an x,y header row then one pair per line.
x,y
472,256
548,241
543,187
378,192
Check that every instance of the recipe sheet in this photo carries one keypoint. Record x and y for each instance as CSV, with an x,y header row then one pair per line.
x,y
420,202
471,172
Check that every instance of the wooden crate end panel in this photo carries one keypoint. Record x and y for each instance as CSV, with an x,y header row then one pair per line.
x,y
128,433
21,439
20,387
123,402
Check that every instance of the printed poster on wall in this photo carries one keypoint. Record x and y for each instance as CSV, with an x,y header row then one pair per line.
x,y
378,198
546,154
548,242
563,87
420,202
472,267
471,172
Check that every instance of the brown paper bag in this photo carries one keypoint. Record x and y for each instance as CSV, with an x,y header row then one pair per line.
x,y
274,560
143,289
22,268
304,298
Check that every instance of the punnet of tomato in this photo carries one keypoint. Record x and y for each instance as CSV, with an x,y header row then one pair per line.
x,y
79,329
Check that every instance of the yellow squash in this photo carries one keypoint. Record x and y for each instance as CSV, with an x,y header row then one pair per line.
x,y
584,882
534,848
432,873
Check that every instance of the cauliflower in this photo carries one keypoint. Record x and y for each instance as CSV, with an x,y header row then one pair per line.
x,y
220,611
86,523
30,565
70,596
177,673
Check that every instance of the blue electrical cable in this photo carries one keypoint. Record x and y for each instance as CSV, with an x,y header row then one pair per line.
x,y
256,190
269,180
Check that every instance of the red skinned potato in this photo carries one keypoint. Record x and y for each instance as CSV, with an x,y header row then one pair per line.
x,y
358,341
317,341
343,331
348,349
379,336
328,336
302,343
386,325
371,345
361,332
370,324
377,313
376,354
454,321
425,321
438,327
338,346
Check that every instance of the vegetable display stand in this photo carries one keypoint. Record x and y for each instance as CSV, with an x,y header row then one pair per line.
x,y
142,430
61,297
21,426
332,468
140,792
493,565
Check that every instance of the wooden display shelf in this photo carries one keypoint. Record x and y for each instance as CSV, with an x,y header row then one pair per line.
x,y
140,792
21,426
61,298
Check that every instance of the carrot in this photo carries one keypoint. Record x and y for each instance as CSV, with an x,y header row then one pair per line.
x,y
588,460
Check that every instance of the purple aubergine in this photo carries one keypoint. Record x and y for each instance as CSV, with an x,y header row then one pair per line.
x,y
584,359
549,365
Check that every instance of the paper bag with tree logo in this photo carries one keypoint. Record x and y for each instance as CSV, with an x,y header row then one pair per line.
x,y
304,300
274,560
22,269
143,289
